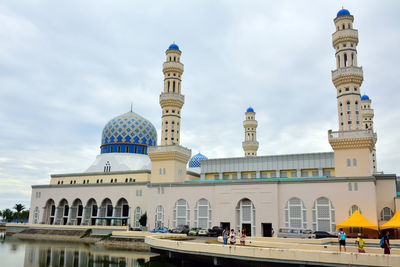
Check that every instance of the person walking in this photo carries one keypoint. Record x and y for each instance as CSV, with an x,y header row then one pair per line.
x,y
225,235
243,237
342,240
360,243
233,237
386,245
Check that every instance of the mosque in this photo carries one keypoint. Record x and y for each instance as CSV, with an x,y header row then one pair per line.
x,y
133,174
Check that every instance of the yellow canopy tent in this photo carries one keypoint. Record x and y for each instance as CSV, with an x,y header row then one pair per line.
x,y
394,222
357,220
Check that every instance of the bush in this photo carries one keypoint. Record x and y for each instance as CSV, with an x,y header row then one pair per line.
x,y
86,233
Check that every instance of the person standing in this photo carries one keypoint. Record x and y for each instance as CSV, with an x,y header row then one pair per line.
x,y
225,235
387,244
243,237
342,240
360,243
233,237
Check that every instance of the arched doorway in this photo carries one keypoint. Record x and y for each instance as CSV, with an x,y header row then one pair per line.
x,y
49,212
106,210
90,213
324,215
76,212
62,212
246,216
122,211
159,218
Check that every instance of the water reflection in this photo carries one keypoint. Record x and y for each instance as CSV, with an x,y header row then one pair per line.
x,y
65,255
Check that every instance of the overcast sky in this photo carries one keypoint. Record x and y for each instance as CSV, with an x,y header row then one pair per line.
x,y
67,68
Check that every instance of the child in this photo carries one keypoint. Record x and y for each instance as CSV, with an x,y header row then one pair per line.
x,y
360,242
243,237
233,237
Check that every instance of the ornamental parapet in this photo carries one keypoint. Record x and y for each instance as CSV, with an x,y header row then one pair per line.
x,y
173,66
250,144
352,139
173,148
368,112
250,123
345,75
171,99
347,35
171,152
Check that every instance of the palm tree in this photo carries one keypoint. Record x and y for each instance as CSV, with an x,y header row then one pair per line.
x,y
19,208
7,214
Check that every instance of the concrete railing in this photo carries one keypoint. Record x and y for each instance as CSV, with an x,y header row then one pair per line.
x,y
173,65
352,69
268,254
351,134
167,96
181,149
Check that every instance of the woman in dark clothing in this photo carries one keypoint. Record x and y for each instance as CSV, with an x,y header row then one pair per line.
x,y
387,244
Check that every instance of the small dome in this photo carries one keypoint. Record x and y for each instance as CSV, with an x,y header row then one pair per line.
x,y
365,97
250,109
128,133
195,160
343,12
173,47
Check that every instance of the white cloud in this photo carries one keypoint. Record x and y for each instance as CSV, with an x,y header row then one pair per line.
x,y
68,68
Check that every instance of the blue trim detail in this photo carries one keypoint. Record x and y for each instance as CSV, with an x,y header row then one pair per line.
x,y
132,148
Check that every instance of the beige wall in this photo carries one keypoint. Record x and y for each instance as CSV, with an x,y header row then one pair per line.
x,y
106,177
363,167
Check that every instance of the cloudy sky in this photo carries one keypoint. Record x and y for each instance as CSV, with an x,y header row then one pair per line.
x,y
66,68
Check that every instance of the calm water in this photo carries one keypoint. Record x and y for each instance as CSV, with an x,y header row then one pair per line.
x,y
14,252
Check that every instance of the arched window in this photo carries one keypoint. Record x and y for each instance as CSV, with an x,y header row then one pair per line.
x,y
126,149
343,27
246,217
202,214
338,59
348,163
353,209
173,86
181,213
352,59
345,59
168,87
386,214
354,162
159,218
295,214
323,215
138,214
36,215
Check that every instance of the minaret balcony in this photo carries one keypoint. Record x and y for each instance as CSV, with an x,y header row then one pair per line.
x,y
355,139
345,75
253,145
346,35
172,99
250,123
173,66
367,112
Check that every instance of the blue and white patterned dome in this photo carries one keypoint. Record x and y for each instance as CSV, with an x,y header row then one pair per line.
x,y
195,160
128,133
343,12
365,97
173,47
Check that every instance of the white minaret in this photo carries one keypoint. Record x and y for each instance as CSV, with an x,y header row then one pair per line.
x,y
353,143
171,99
169,160
250,144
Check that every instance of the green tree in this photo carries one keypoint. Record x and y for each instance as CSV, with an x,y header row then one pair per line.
x,y
1,213
7,214
19,208
143,219
25,215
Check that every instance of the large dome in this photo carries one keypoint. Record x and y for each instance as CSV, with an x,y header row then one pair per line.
x,y
128,133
